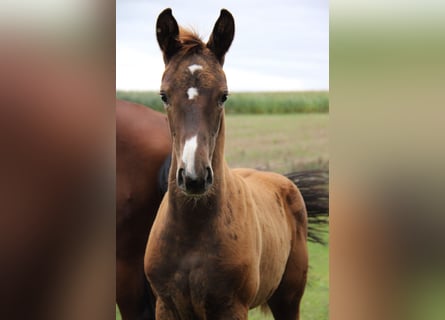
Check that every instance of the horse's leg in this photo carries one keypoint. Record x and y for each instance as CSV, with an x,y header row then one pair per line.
x,y
285,302
134,295
235,311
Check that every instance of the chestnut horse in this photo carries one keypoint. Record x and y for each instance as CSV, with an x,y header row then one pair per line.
x,y
223,240
142,144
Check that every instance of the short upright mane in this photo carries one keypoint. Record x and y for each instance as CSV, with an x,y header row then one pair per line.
x,y
191,42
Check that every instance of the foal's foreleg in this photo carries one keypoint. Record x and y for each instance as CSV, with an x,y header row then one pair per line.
x,y
235,311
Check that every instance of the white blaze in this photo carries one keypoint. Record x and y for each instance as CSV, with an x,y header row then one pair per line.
x,y
188,156
194,67
192,93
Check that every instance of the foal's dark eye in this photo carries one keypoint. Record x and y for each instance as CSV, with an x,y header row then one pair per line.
x,y
164,97
223,98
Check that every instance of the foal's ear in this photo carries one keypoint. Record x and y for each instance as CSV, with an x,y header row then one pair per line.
x,y
167,32
222,35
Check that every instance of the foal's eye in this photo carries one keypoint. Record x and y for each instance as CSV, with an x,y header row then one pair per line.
x,y
164,97
223,98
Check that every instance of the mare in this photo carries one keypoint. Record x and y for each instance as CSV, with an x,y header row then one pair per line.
x,y
223,240
142,144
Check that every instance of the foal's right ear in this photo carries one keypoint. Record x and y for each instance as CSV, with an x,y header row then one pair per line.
x,y
167,32
222,35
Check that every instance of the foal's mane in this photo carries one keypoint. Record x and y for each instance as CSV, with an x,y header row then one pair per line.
x,y
190,41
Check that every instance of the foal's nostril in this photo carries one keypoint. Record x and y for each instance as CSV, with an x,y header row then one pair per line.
x,y
180,177
209,176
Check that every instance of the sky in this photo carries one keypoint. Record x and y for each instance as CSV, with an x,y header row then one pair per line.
x,y
279,45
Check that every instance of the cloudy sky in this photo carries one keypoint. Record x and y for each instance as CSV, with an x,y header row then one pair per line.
x,y
279,45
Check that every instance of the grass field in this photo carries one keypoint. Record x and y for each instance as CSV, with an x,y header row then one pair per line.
x,y
280,143
250,102
285,143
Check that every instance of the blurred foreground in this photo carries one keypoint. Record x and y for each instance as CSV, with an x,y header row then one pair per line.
x,y
57,160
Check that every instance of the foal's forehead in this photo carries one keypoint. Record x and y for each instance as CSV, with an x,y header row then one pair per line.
x,y
195,71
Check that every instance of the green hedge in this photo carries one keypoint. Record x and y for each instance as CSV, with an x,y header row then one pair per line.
x,y
250,102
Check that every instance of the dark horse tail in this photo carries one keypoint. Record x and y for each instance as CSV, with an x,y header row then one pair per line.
x,y
314,187
163,174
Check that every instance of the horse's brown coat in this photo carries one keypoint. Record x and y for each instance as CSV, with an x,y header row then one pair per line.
x,y
214,253
142,143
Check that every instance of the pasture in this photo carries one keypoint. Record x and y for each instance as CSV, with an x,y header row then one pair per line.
x,y
277,142
284,143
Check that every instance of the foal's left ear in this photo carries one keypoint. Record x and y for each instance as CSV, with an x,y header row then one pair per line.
x,y
222,35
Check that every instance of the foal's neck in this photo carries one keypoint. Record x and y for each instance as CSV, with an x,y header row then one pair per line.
x,y
206,206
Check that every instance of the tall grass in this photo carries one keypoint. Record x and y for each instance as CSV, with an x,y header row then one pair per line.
x,y
250,102
278,102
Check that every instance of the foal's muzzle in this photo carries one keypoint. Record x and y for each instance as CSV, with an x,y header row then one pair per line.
x,y
195,185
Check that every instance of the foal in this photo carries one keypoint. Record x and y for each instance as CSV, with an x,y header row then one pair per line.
x,y
223,241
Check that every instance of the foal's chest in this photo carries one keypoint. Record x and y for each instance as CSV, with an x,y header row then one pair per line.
x,y
189,284
198,279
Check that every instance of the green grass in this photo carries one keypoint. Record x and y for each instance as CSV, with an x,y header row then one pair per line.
x,y
118,314
250,102
280,143
284,143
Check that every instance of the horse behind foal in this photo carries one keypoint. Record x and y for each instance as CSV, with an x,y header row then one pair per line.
x,y
223,241
142,143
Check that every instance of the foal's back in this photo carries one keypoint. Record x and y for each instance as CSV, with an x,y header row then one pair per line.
x,y
287,200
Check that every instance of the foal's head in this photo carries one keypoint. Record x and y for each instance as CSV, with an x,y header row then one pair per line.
x,y
194,90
